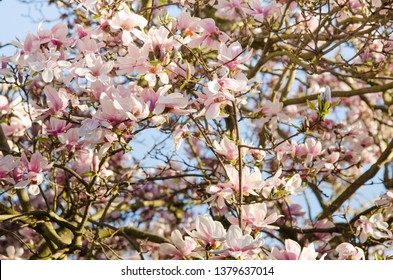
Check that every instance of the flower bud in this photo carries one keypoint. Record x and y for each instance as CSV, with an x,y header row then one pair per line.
x,y
326,94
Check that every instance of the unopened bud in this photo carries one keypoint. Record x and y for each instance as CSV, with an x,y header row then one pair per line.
x,y
326,94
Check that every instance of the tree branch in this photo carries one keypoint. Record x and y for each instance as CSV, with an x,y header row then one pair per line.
x,y
348,192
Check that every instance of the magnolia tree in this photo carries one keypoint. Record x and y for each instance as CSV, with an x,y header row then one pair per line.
x,y
239,129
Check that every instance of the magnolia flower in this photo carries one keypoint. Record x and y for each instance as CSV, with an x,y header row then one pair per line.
x,y
210,37
95,68
293,251
347,251
257,154
231,9
57,126
159,42
375,227
175,100
255,217
250,182
7,164
220,194
208,231
226,148
187,24
331,159
386,201
33,172
12,253
182,248
241,246
127,21
57,100
154,72
294,184
179,134
92,132
311,149
259,12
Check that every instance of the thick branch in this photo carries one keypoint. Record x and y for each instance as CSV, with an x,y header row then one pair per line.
x,y
373,89
135,233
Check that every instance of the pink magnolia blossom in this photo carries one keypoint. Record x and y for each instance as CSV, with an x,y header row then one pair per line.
x,y
375,227
293,251
57,100
324,236
257,154
210,37
212,104
293,185
176,102
134,62
181,248
179,135
386,201
49,64
86,44
231,9
220,193
57,126
219,92
272,112
159,42
331,159
95,68
208,231
33,172
255,217
187,24
127,21
4,105
346,251
271,183
13,253
7,164
225,85
70,139
86,4
93,131
232,57
251,182
311,149
155,71
293,210
261,13
227,148
241,246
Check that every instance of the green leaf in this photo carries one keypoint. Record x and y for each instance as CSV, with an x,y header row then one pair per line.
x,y
335,104
311,105
90,174
326,107
319,103
378,257
297,127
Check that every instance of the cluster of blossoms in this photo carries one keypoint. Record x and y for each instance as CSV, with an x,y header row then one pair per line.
x,y
120,127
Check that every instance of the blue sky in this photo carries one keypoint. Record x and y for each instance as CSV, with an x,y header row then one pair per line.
x,y
15,22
